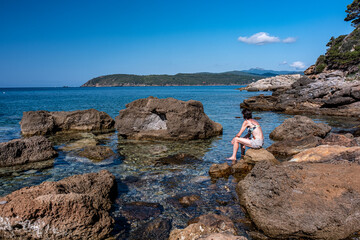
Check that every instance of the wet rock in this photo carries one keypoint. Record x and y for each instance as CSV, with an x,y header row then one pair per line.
x,y
97,153
26,150
166,119
346,140
44,122
300,200
287,148
220,170
73,208
15,170
241,167
272,83
189,200
298,127
204,226
158,229
178,159
222,236
329,153
140,210
79,144
253,156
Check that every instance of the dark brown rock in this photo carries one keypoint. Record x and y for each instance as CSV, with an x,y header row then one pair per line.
x,y
301,200
158,229
287,148
220,170
204,226
177,159
140,210
73,208
298,127
44,122
166,119
189,200
241,167
340,140
97,153
26,150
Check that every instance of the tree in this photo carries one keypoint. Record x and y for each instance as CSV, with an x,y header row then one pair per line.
x,y
353,13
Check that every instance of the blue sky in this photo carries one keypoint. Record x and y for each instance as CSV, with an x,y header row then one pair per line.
x,y
56,43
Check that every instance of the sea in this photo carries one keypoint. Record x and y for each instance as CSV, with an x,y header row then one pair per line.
x,y
139,174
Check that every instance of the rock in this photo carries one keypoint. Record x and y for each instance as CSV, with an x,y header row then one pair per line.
x,y
241,167
222,236
310,70
287,148
253,156
189,200
26,150
340,140
97,152
140,210
165,119
327,153
158,229
44,122
16,169
298,127
300,200
204,226
272,83
178,159
73,208
220,170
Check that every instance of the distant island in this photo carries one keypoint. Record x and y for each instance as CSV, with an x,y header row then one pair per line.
x,y
183,79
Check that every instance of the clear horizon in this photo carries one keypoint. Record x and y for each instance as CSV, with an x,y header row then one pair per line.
x,y
66,43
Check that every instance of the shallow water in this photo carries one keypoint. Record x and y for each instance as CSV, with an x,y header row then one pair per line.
x,y
139,176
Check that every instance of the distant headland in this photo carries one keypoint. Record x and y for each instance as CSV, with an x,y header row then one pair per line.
x,y
184,79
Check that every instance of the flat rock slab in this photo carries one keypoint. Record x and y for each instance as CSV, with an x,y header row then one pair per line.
x,y
165,119
299,127
26,150
97,153
302,200
45,122
73,208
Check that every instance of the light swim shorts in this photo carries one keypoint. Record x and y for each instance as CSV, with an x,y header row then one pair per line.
x,y
257,143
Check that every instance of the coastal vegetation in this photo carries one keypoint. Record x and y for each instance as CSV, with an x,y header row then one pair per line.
x,y
227,78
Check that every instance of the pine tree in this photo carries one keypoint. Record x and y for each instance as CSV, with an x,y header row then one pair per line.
x,y
353,13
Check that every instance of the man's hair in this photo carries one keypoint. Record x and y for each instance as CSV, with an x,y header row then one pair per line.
x,y
247,113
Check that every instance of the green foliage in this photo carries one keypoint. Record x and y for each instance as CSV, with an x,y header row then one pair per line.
x,y
169,80
320,68
353,13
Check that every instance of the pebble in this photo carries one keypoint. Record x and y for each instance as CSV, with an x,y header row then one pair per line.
x,y
3,202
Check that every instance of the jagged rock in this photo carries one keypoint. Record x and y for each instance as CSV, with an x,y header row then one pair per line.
x,y
272,83
241,167
97,152
298,127
166,119
220,170
73,208
253,156
44,122
301,200
204,226
26,150
158,229
346,140
287,148
327,153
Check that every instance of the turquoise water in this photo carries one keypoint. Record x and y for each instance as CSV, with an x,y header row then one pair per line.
x,y
149,182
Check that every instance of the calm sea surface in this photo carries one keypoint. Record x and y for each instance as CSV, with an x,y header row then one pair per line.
x,y
139,176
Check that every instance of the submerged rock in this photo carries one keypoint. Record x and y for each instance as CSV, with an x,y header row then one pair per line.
x,y
166,119
140,210
26,150
158,229
301,200
97,153
204,226
73,208
178,159
45,123
298,127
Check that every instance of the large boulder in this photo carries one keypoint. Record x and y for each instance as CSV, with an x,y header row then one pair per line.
x,y
203,226
272,83
26,150
44,122
328,153
298,127
287,148
166,119
301,200
73,208
253,156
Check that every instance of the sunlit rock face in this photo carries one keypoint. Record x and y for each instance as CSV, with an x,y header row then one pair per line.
x,y
165,119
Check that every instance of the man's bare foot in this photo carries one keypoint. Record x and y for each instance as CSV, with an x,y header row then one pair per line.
x,y
230,158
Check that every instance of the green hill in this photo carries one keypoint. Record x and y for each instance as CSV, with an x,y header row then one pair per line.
x,y
180,79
